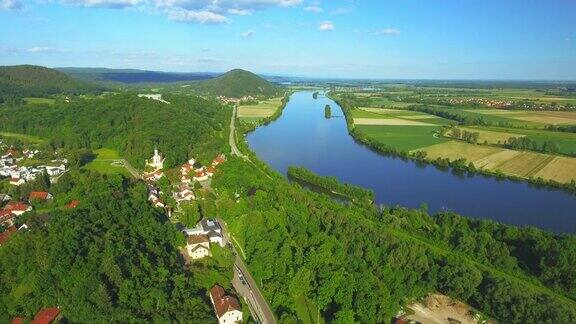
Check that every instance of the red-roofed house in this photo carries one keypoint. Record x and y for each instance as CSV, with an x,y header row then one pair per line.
x,y
6,217
40,195
19,320
73,204
200,176
46,316
218,160
5,236
17,208
227,308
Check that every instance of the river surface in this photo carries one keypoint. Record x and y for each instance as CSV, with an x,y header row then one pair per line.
x,y
303,137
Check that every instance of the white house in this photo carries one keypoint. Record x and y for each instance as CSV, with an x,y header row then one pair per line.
x,y
227,308
198,246
210,228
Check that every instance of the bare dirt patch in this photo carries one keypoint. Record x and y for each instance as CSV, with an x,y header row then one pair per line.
x,y
389,122
441,309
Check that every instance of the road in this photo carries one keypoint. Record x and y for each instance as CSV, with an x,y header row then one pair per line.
x,y
247,287
232,136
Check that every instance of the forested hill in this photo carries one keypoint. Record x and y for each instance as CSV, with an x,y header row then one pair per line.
x,y
129,124
237,83
37,81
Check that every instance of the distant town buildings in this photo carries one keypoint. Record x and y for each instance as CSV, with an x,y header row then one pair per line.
x,y
154,96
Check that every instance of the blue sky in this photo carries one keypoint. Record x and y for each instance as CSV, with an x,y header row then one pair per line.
x,y
438,39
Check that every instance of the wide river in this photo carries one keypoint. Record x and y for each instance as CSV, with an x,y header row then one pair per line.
x,y
303,137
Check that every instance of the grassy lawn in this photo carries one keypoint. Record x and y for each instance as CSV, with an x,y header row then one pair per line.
x,y
39,101
405,138
23,137
307,311
103,164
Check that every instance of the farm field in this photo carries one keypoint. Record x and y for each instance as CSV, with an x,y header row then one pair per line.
x,y
492,136
519,163
397,116
404,138
565,141
104,163
540,117
262,110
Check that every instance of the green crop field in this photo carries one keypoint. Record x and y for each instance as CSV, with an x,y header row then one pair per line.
x,y
404,138
263,109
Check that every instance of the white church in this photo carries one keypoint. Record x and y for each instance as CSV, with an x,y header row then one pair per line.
x,y
157,161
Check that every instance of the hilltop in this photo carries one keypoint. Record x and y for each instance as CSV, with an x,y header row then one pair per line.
x,y
237,83
37,81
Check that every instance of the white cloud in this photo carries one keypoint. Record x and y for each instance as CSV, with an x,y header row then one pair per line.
x,y
248,34
341,11
240,12
11,4
113,4
326,26
41,49
388,31
192,11
314,8
193,16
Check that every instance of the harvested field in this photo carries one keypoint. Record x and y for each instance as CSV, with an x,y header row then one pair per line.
x,y
526,164
494,160
561,169
254,112
455,150
389,122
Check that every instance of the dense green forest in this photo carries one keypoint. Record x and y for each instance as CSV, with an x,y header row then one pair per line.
x,y
361,264
237,83
131,125
21,81
112,259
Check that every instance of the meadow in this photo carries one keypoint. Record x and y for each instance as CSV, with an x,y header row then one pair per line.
x,y
39,101
104,163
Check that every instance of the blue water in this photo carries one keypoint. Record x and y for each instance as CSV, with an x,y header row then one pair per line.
x,y
303,137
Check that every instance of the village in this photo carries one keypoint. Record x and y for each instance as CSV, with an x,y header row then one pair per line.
x,y
22,166
192,177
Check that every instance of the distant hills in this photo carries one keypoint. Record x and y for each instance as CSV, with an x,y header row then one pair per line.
x,y
132,76
237,83
37,81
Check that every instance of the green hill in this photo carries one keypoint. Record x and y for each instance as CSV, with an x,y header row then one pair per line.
x,y
237,83
36,81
